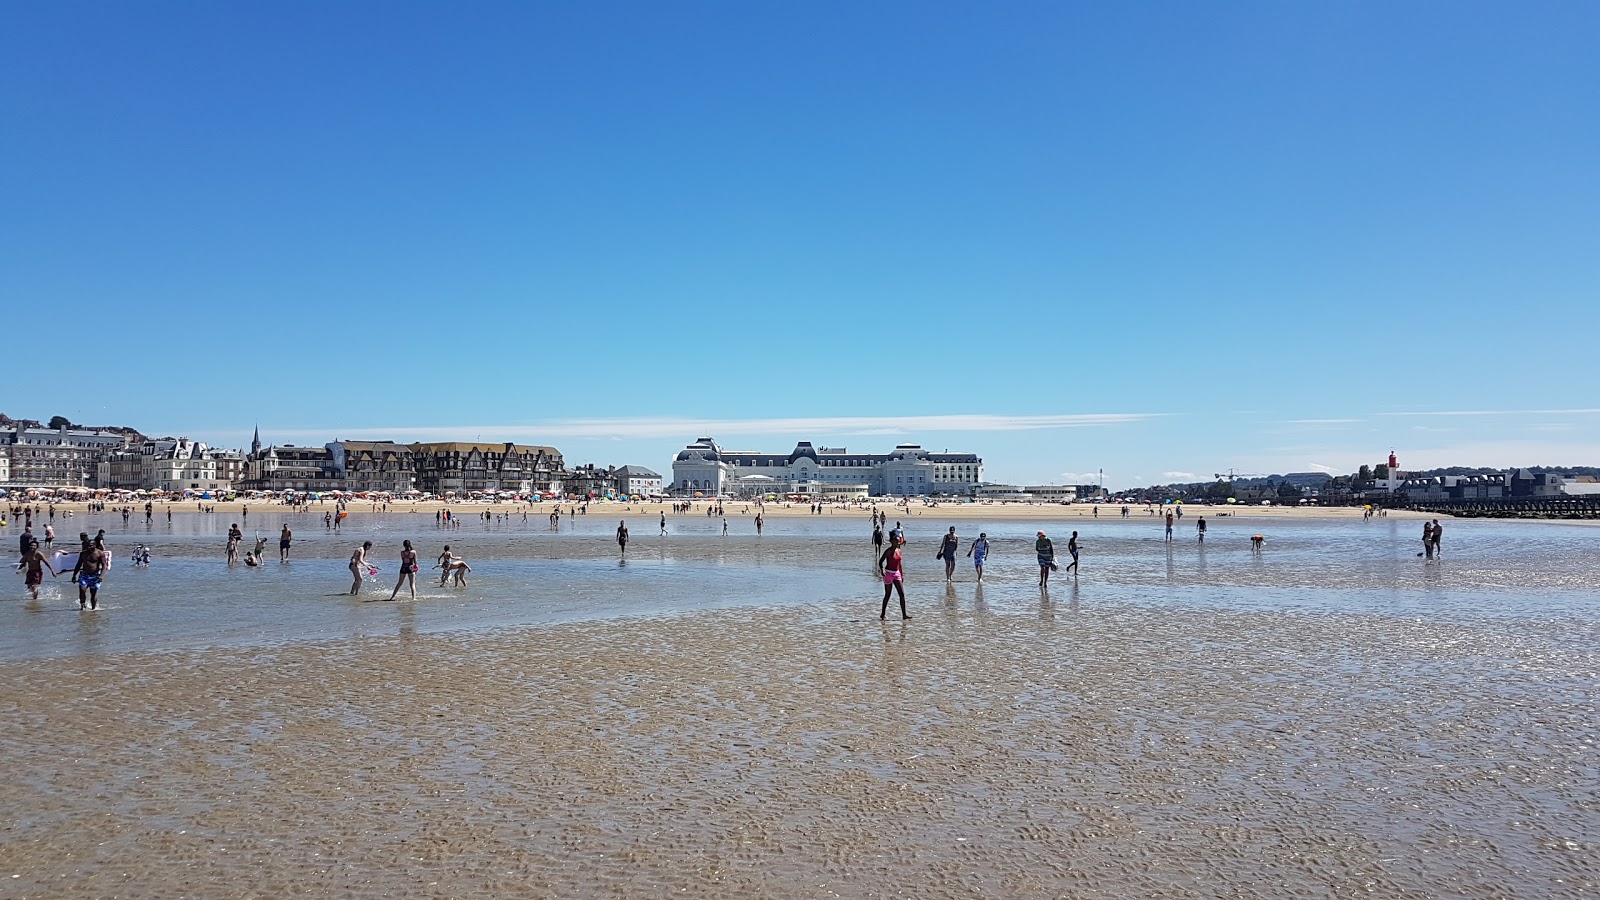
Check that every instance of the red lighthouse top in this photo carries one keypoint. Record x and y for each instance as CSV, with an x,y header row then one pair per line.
x,y
1393,462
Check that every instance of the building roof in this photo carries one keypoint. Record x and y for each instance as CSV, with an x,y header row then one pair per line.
x,y
468,447
636,472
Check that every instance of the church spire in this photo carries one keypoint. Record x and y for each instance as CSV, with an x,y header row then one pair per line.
x,y
255,443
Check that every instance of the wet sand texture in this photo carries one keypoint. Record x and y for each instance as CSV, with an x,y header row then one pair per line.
x,y
814,752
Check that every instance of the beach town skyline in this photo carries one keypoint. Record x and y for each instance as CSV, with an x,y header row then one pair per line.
x,y
1143,243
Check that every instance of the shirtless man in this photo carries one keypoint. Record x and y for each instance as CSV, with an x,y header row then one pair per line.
x,y
91,565
284,538
36,564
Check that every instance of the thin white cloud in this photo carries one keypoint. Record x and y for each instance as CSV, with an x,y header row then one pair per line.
x,y
1184,475
689,429
1319,467
1553,426
1501,412
1322,421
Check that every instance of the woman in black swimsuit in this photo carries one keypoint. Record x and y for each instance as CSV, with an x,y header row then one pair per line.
x,y
408,571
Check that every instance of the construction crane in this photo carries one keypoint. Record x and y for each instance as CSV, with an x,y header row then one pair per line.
x,y
1235,474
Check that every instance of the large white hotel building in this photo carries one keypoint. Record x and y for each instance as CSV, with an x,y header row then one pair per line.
x,y
834,472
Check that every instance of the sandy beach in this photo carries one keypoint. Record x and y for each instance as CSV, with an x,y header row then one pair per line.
x,y
954,511
1074,751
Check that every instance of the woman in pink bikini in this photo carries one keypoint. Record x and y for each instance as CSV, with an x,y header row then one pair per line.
x,y
893,576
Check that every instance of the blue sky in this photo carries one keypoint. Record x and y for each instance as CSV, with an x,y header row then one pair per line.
x,y
1156,239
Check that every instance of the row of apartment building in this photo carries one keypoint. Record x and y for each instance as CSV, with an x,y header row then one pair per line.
x,y
57,458
432,468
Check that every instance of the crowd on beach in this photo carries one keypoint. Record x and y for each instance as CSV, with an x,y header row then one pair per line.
x,y
92,559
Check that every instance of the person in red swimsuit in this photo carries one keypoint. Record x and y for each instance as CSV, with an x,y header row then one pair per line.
x,y
893,576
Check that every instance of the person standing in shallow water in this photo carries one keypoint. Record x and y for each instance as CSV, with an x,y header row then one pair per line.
x,y
408,571
893,578
947,552
1072,548
622,536
1045,550
979,551
359,566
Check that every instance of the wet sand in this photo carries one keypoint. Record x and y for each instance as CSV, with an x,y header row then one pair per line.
x,y
1072,750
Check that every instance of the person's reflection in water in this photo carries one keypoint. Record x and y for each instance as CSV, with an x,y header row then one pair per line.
x,y
952,604
1073,602
893,637
1047,613
91,633
978,606
408,622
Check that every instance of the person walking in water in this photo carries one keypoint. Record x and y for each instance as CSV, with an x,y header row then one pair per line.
x,y
91,566
622,536
408,571
359,567
979,551
1438,532
35,562
284,537
1169,527
663,523
759,523
893,579
1045,550
947,552
1427,538
1201,527
1072,548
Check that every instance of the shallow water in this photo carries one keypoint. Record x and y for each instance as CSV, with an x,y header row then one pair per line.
x,y
726,717
527,573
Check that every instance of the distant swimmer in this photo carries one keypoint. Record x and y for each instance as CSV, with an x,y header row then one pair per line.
x,y
979,551
1044,550
622,536
360,568
1072,548
891,564
948,546
35,563
408,571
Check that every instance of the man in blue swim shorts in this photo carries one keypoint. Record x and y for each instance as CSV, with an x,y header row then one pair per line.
x,y
91,564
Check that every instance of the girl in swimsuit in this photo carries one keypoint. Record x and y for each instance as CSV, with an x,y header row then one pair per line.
x,y
408,571
893,578
359,566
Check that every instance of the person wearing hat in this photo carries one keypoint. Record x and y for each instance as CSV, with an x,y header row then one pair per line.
x,y
1046,551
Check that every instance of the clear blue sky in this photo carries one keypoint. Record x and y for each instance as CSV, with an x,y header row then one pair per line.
x,y
1150,238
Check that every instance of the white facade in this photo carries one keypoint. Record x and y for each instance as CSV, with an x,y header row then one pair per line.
x,y
49,457
909,470
638,480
